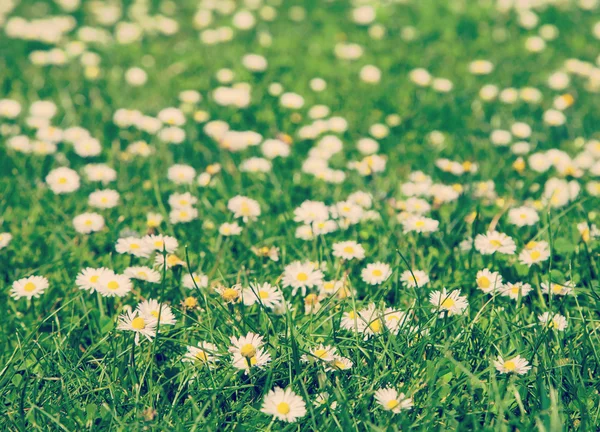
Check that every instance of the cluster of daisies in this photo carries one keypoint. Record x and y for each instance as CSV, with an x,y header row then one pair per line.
x,y
532,179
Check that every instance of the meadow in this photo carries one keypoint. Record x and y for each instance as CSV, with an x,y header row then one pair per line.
x,y
299,215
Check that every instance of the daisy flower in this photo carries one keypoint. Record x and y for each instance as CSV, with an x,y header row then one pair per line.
x,y
554,288
535,255
523,216
194,280
89,278
87,223
494,241
300,275
62,180
284,405
312,304
32,286
246,346
391,400
515,290
111,284
244,207
230,229
143,273
171,260
339,363
231,294
159,242
153,309
557,321
266,294
310,212
452,303
488,281
517,365
376,273
245,363
415,278
420,224
205,354
394,319
140,325
323,353
138,247
348,250
5,239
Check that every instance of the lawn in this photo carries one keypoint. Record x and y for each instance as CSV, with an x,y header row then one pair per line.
x,y
287,215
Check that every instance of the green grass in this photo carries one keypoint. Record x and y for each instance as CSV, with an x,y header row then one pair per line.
x,y
65,366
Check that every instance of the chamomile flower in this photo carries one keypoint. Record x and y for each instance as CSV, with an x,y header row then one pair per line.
x,y
284,405
104,199
517,365
143,273
488,281
451,303
348,250
554,321
140,325
170,261
339,363
29,287
266,294
246,346
301,276
376,273
391,400
232,294
414,278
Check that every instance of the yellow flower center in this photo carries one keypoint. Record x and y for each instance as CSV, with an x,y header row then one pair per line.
x,y
113,285
556,289
173,260
376,326
29,287
138,323
495,243
230,294
377,273
483,282
302,277
311,299
535,255
245,209
134,246
283,408
248,351
320,353
190,302
419,224
448,303
510,365
94,279
201,356
515,290
392,404
154,314
349,249
62,180
263,294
